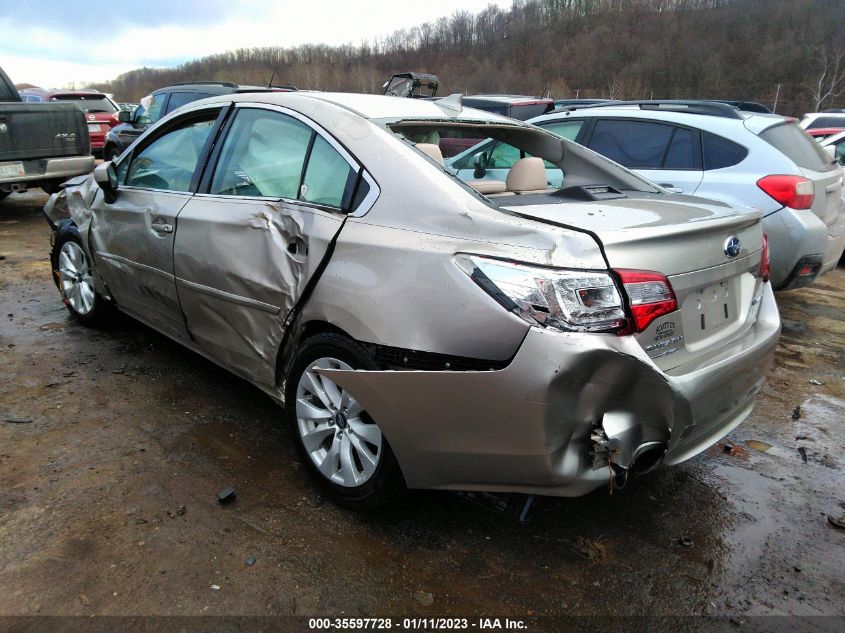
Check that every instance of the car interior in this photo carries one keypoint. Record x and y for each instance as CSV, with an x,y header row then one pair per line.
x,y
533,155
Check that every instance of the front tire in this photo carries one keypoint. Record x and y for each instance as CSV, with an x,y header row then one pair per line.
x,y
74,277
341,446
51,186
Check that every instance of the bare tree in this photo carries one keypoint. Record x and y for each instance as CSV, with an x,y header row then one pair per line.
x,y
831,79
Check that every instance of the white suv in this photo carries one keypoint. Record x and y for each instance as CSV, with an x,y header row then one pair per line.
x,y
713,150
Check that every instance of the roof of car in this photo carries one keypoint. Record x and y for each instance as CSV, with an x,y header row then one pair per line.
x,y
372,106
508,99
754,122
61,93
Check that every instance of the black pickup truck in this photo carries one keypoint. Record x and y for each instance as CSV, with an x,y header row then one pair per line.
x,y
41,144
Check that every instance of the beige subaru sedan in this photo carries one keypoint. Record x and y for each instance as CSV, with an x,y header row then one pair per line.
x,y
545,333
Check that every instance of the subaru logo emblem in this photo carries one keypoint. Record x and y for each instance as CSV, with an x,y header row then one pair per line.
x,y
732,246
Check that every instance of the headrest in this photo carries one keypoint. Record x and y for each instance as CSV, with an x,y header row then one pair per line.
x,y
432,151
527,174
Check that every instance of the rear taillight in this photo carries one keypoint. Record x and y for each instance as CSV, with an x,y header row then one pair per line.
x,y
790,191
764,259
650,296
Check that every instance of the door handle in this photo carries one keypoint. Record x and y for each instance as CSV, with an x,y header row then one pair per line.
x,y
161,227
668,186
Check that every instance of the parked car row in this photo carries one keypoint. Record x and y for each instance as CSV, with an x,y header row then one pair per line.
x,y
164,101
711,150
41,144
546,331
98,108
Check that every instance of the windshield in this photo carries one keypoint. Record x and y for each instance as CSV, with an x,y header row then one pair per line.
x,y
89,103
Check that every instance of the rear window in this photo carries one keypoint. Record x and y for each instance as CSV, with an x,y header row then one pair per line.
x,y
827,121
798,146
720,152
88,103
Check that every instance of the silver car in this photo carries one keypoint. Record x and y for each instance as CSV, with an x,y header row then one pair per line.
x,y
420,333
714,151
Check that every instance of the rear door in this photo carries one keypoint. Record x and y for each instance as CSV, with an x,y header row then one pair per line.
x,y
274,195
667,154
132,238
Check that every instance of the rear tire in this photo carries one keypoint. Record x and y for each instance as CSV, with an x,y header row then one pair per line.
x,y
74,278
341,446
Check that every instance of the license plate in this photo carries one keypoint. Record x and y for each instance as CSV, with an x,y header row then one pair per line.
x,y
12,169
93,127
716,307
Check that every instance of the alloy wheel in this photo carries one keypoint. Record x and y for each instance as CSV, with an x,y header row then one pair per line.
x,y
77,283
340,438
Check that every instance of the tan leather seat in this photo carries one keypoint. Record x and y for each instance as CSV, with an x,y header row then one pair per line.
x,y
488,187
528,175
432,151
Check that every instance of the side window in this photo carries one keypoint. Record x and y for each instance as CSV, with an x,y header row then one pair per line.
x,y
503,156
168,162
329,179
720,152
263,155
681,152
634,144
152,111
178,99
566,129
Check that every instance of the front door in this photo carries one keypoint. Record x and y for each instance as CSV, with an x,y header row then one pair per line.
x,y
132,238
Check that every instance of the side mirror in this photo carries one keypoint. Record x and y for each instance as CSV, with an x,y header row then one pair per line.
x,y
124,116
831,151
480,162
105,174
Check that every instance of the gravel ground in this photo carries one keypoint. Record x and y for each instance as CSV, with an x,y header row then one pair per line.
x,y
115,442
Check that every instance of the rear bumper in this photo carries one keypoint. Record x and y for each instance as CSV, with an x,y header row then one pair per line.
x,y
835,244
526,428
794,235
51,168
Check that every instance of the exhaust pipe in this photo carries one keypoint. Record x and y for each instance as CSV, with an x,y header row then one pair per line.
x,y
624,445
648,457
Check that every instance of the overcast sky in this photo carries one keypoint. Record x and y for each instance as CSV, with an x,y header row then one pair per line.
x,y
52,43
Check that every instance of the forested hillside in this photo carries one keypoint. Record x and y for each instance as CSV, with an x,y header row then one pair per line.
x,y
792,50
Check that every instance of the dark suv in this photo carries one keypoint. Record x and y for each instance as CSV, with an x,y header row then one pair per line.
x,y
164,101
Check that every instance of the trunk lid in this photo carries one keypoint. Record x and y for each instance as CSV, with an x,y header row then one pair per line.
x,y
685,239
668,234
42,130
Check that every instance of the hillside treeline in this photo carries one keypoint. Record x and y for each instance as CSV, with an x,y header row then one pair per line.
x,y
792,50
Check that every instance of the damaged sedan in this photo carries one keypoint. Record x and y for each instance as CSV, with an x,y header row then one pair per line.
x,y
545,333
